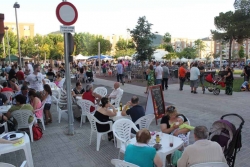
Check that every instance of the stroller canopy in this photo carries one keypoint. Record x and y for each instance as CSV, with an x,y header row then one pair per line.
x,y
218,128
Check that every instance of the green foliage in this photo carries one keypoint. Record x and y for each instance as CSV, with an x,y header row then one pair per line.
x,y
143,38
188,53
105,45
232,26
199,46
27,46
167,37
124,48
170,56
13,44
241,52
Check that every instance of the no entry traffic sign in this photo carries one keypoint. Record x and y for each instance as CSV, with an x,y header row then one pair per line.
x,y
66,13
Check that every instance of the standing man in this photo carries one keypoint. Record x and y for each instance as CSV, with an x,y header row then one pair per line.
x,y
202,79
165,75
247,72
120,70
182,75
36,79
158,73
194,78
202,151
20,76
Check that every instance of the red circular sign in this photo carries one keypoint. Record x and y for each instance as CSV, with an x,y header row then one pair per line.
x,y
66,13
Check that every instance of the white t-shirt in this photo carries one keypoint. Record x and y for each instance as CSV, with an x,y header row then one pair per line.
x,y
159,71
36,81
48,100
194,73
80,64
30,68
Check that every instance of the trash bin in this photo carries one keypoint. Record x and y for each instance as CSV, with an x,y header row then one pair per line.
x,y
176,73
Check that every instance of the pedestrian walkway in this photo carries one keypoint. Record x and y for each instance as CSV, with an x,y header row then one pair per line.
x,y
57,149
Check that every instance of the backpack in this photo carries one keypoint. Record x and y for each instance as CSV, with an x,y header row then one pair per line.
x,y
37,132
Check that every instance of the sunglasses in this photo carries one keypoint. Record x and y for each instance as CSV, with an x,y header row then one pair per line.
x,y
170,109
36,78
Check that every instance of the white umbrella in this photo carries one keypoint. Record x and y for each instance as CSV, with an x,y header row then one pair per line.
x,y
184,59
27,58
81,57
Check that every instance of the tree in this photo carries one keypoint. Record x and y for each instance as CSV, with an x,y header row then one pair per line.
x,y
124,48
143,38
12,41
188,53
170,56
105,45
241,52
199,46
232,26
243,5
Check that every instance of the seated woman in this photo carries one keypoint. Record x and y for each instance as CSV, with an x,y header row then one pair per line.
x,y
78,90
170,118
58,79
146,156
36,103
102,114
6,88
91,96
13,85
21,105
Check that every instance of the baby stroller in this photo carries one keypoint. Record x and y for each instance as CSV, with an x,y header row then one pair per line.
x,y
89,75
214,84
229,138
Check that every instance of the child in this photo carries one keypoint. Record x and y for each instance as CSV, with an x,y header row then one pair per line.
x,y
110,72
180,121
46,95
244,86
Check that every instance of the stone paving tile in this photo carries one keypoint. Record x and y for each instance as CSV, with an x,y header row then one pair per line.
x,y
58,149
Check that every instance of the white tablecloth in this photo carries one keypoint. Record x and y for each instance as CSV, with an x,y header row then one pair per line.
x,y
119,115
7,148
4,109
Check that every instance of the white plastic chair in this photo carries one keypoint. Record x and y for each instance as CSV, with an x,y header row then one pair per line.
x,y
58,109
85,106
101,91
117,99
5,127
47,81
188,134
145,121
8,94
22,118
121,163
52,85
41,118
211,164
2,164
93,122
122,132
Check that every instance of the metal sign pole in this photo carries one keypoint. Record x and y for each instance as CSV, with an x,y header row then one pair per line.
x,y
68,85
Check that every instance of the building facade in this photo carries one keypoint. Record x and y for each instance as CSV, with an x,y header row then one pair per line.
x,y
223,49
25,29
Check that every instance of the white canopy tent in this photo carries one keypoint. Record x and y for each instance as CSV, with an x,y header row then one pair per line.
x,y
184,59
159,53
81,57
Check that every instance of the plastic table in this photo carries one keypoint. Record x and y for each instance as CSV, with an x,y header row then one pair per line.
x,y
7,148
165,149
4,109
119,115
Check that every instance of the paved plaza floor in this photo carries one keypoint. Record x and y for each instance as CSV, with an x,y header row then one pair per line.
x,y
57,149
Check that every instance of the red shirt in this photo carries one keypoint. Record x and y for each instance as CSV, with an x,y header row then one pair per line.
x,y
6,89
90,97
20,75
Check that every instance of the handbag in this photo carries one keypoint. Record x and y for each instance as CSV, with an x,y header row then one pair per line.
x,y
37,132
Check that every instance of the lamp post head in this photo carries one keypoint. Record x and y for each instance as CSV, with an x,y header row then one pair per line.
x,y
16,5
6,28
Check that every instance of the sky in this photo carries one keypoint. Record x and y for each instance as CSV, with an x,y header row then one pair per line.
x,y
181,18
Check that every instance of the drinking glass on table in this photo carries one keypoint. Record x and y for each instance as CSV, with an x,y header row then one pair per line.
x,y
171,140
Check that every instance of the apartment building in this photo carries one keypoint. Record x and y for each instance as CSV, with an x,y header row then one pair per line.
x,y
180,43
223,49
25,29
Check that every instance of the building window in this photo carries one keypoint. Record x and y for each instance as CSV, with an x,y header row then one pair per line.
x,y
26,27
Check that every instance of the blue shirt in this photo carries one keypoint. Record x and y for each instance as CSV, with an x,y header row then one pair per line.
x,y
142,156
7,69
119,68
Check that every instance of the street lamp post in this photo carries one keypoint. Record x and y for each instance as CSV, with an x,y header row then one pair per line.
x,y
16,5
7,28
